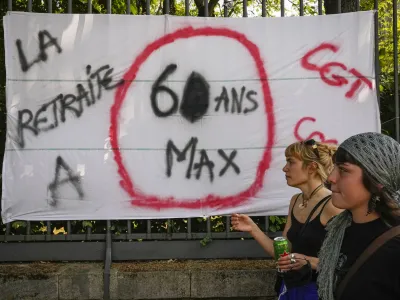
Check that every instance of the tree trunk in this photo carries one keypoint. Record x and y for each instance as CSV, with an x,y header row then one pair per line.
x,y
331,6
200,7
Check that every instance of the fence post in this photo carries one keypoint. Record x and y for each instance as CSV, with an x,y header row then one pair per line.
x,y
396,70
107,262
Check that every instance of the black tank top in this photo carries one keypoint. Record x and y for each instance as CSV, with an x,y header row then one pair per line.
x,y
310,241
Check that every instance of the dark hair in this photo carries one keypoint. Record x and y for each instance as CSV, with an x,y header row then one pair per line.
x,y
386,206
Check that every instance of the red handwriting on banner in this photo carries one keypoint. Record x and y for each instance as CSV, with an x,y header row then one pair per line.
x,y
335,79
314,134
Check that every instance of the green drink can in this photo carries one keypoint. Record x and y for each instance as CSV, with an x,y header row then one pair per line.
x,y
281,247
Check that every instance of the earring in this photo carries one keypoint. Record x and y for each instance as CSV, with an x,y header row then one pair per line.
x,y
372,204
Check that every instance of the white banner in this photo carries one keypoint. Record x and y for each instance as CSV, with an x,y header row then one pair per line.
x,y
129,117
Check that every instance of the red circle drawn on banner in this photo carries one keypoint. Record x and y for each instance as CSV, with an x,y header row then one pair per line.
x,y
211,201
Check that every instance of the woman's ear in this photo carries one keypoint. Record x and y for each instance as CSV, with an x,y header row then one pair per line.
x,y
312,167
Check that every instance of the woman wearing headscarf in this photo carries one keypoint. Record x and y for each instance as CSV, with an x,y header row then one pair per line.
x,y
307,167
365,183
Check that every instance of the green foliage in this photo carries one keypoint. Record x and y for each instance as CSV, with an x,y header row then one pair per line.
x,y
310,8
386,61
204,242
277,223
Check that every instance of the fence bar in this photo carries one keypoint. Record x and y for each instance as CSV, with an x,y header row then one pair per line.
x,y
282,8
396,70
8,227
320,7
28,231
9,7
206,8
245,8
166,7
263,9
125,251
107,263
266,224
301,7
169,224
109,6
187,6
70,6
147,7
48,231
120,237
148,229
209,226
228,226
129,225
377,68
49,6
29,5
69,230
339,8
88,233
189,228
89,6
128,7
357,5
225,8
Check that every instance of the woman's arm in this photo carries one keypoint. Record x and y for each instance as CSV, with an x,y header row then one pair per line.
x,y
313,261
285,263
267,243
246,224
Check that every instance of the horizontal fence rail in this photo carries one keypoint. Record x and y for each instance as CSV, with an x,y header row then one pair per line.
x,y
151,239
194,238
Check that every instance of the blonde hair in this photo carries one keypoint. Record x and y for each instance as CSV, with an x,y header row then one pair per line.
x,y
321,155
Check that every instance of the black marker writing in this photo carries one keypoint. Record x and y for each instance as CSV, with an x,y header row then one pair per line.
x,y
46,40
236,101
158,88
204,160
195,99
181,155
229,162
75,180
47,117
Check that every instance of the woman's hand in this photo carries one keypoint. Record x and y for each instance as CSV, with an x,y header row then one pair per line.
x,y
293,261
242,223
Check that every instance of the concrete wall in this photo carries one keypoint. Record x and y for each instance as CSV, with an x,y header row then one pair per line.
x,y
152,280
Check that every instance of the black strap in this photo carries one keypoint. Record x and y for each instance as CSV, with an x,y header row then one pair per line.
x,y
294,204
375,245
326,199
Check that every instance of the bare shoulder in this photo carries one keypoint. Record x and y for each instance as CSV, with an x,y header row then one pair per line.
x,y
329,212
293,200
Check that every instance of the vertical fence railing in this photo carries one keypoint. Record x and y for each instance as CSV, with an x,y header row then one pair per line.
x,y
301,7
396,69
320,7
244,8
263,9
377,69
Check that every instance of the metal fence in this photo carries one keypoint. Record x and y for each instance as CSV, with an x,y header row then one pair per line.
x,y
138,240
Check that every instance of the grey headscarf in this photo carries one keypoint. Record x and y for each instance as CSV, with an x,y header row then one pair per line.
x,y
379,155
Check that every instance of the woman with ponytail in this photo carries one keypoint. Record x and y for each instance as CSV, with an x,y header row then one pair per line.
x,y
307,167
